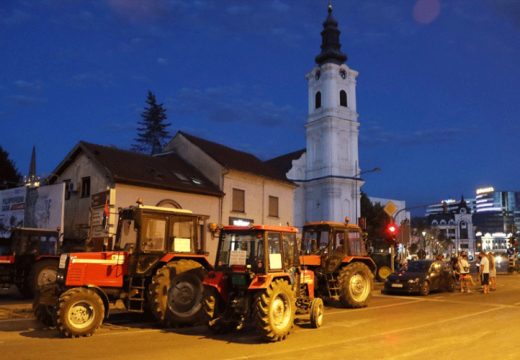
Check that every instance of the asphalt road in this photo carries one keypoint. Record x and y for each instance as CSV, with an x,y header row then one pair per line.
x,y
440,326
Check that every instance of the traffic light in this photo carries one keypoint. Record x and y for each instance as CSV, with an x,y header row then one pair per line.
x,y
391,233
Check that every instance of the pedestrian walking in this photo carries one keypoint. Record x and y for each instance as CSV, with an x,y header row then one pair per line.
x,y
492,271
484,272
464,275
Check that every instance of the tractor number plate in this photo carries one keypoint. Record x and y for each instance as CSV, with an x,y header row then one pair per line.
x,y
397,285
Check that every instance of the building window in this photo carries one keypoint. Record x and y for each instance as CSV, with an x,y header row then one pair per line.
x,y
85,187
317,100
273,206
68,188
239,197
343,98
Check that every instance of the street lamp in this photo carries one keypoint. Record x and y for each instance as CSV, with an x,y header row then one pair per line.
x,y
356,178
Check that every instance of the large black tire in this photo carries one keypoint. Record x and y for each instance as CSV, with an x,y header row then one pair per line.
x,y
175,293
42,273
274,311
44,305
213,307
80,312
317,310
356,283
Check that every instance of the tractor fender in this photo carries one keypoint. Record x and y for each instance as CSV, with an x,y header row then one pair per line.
x,y
104,298
217,280
201,259
261,282
365,260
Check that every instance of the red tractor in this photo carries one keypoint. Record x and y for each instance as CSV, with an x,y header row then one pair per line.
x,y
258,281
337,255
29,259
157,265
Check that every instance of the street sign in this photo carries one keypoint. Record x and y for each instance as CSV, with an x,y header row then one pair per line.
x,y
390,208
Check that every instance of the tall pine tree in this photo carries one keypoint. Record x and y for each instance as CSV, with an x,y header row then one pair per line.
x,y
9,175
152,132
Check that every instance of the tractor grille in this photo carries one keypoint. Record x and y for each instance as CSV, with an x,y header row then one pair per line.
x,y
75,275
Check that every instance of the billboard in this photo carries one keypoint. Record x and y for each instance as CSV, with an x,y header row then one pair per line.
x,y
12,205
41,207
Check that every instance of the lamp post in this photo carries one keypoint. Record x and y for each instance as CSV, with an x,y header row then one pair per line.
x,y
356,178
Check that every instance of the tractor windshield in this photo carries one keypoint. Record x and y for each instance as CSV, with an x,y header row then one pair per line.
x,y
242,249
314,240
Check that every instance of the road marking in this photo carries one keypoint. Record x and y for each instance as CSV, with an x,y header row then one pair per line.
x,y
362,338
16,319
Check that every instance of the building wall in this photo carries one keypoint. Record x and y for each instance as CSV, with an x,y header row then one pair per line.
x,y
76,219
257,191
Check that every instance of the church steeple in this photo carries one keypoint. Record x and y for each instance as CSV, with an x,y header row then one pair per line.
x,y
330,45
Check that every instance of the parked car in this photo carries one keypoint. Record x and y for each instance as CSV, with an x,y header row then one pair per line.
x,y
421,276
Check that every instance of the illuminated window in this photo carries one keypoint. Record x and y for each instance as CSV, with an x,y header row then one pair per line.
x,y
239,197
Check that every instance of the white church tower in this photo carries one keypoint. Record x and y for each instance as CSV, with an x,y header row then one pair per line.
x,y
328,172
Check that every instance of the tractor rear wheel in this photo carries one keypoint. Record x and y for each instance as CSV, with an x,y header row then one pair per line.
x,y
80,312
175,293
43,272
274,311
317,310
44,305
356,283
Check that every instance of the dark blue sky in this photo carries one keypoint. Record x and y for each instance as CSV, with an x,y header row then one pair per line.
x,y
438,94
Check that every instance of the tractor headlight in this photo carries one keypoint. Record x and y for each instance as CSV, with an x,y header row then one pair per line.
x,y
413,281
63,261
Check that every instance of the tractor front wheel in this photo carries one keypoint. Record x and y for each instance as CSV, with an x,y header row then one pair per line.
x,y
80,312
317,310
176,293
356,283
274,311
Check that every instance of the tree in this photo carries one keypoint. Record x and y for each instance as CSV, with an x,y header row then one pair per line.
x,y
151,133
376,220
9,175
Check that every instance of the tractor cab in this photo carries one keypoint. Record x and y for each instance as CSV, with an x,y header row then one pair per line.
x,y
258,249
332,242
147,233
34,242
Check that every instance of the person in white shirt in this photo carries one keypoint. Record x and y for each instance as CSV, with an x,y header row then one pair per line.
x,y
484,272
464,275
492,272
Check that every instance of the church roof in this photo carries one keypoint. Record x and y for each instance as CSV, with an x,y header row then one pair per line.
x,y
282,164
234,159
330,45
167,171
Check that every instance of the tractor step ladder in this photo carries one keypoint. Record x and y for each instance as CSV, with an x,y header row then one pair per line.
x,y
332,285
135,300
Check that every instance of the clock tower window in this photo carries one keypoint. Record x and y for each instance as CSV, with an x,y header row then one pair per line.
x,y
317,100
343,98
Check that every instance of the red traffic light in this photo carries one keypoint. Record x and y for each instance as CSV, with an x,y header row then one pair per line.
x,y
392,229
